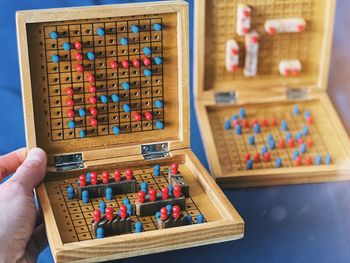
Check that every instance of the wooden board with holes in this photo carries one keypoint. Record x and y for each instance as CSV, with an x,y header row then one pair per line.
x,y
68,221
75,223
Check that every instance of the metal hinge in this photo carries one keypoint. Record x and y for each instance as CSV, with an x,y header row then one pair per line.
x,y
225,97
69,162
155,151
296,93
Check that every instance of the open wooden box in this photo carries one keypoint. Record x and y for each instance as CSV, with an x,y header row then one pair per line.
x,y
138,146
219,93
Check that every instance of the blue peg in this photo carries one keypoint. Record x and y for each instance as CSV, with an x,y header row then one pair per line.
x,y
129,209
82,133
239,129
55,58
147,72
102,207
159,125
100,232
66,46
70,192
138,227
158,60
296,110
170,187
88,177
257,128
157,215
227,125
125,85
272,144
249,164
85,196
144,187
126,107
81,112
284,125
189,219
251,140
200,219
104,99
158,104
242,113
71,124
100,31
307,114
53,35
295,154
157,27
169,208
278,162
156,170
263,150
288,136
234,117
298,135
327,159
135,29
90,55
115,98
123,41
317,159
147,51
109,193
305,130
116,130
126,201
270,137
303,148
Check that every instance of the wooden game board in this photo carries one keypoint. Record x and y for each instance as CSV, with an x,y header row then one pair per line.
x,y
74,217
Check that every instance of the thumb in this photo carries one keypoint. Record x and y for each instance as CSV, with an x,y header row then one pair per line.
x,y
32,171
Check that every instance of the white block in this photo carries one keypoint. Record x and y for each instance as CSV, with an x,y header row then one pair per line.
x,y
251,54
290,67
285,25
243,19
232,55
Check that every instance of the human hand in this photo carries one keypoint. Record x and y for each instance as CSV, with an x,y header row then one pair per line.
x,y
19,241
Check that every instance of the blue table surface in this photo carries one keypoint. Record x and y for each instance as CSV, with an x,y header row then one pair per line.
x,y
303,223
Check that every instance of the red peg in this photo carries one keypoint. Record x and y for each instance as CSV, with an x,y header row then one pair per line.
x,y
97,216
234,51
310,142
146,61
271,30
309,120
257,157
93,122
128,174
177,190
93,178
136,63
164,213
105,177
246,157
92,99
255,39
176,211
125,63
264,122
123,211
92,89
281,144
114,64
301,28
136,116
77,45
308,160
91,77
152,194
296,72
70,114
235,122
165,193
245,30
297,161
82,180
246,13
69,91
70,102
93,111
78,56
245,123
79,68
234,68
117,175
141,196
267,156
273,122
148,116
291,142
300,141
109,213
255,121
174,168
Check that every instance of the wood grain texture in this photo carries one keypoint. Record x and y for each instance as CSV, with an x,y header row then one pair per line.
x,y
39,91
222,220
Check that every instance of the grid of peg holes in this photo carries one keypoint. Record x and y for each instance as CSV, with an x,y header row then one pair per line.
x,y
143,92
232,147
221,26
74,218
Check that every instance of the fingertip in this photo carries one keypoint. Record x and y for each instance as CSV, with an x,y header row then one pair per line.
x,y
36,154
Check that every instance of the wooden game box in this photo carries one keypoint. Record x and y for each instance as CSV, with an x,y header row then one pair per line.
x,y
219,94
75,146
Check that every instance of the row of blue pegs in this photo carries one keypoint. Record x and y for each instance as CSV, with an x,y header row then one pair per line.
x,y
101,31
278,163
138,229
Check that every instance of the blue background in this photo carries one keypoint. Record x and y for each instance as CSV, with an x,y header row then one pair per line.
x,y
305,223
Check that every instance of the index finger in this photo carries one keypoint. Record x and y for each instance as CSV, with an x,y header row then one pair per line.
x,y
11,161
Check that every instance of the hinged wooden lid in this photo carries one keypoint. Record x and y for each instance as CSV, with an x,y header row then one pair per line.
x,y
215,23
45,82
